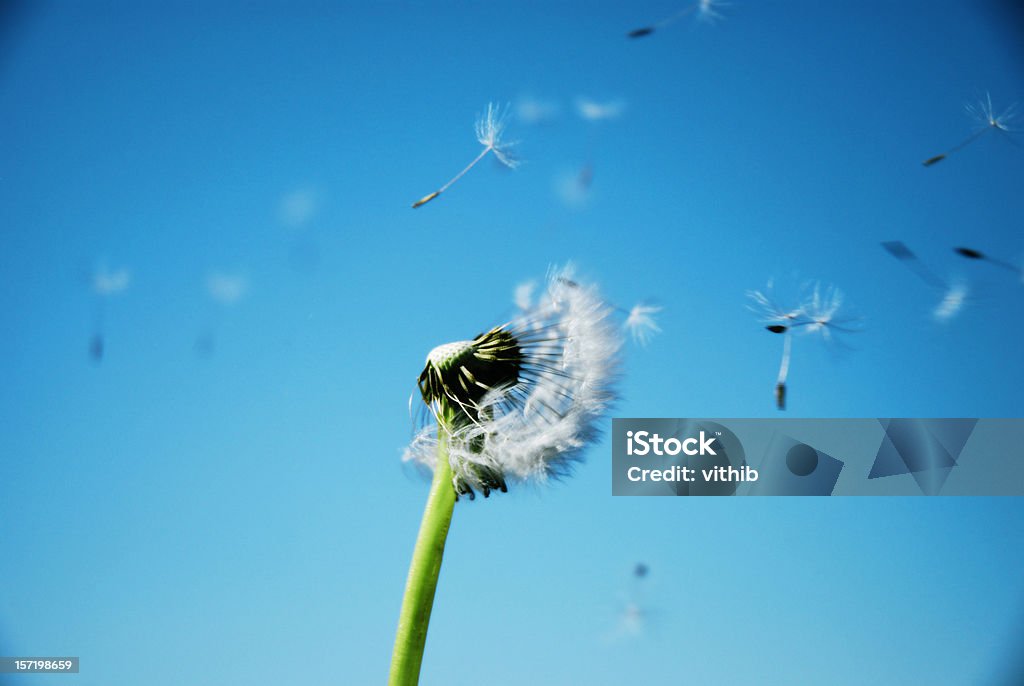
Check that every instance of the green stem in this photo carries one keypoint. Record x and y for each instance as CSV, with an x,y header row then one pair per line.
x,y
423,572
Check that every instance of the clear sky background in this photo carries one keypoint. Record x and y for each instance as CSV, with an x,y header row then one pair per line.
x,y
237,512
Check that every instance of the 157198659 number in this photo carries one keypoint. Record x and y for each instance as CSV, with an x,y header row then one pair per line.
x,y
34,665
56,665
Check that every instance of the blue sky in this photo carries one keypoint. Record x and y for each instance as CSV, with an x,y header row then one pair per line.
x,y
243,516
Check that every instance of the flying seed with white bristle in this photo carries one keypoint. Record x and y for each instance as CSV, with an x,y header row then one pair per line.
x,y
489,128
706,10
985,115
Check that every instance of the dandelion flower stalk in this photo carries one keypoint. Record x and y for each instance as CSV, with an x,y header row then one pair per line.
x,y
421,583
489,129
516,402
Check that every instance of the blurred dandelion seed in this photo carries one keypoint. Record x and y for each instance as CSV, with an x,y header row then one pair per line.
x,y
226,289
489,128
530,110
641,324
952,302
104,283
705,10
298,207
591,110
987,120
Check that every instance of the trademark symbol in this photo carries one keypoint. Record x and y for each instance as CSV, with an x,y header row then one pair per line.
x,y
718,433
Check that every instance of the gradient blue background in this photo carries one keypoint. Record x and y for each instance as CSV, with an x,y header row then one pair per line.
x,y
244,517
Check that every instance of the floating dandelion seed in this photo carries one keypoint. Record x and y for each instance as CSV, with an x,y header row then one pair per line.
x,y
632,614
531,110
519,401
104,283
591,110
706,10
298,207
640,322
226,290
632,619
984,114
111,282
489,129
817,314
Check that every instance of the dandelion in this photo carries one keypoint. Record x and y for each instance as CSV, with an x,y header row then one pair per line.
x,y
518,402
987,120
706,10
489,129
816,314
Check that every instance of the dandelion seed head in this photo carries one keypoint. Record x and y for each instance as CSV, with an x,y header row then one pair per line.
x,y
641,324
952,302
489,128
522,400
